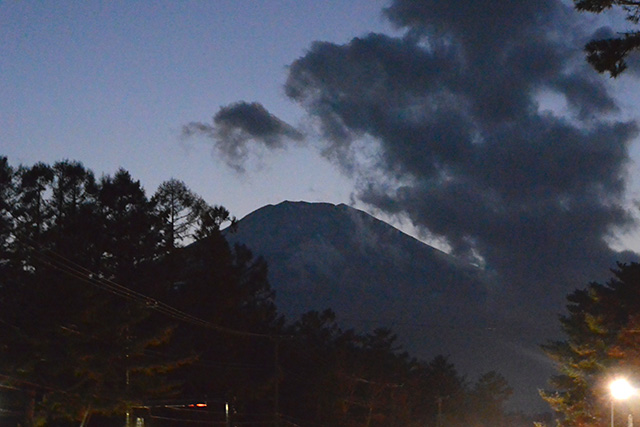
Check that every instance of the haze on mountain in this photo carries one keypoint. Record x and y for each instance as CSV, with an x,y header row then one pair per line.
x,y
372,275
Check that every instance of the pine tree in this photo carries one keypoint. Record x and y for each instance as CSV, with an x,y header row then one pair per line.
x,y
610,54
6,201
32,208
313,385
228,288
80,346
179,210
601,327
488,396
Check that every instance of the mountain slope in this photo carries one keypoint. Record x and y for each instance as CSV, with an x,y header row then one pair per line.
x,y
319,254
372,275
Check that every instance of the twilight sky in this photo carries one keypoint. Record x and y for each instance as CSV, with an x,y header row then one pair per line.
x,y
112,83
477,121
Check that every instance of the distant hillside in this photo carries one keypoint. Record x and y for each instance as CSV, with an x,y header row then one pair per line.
x,y
373,275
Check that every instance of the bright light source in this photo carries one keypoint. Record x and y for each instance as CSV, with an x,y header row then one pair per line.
x,y
621,389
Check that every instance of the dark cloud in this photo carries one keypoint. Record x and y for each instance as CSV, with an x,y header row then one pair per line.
x,y
443,125
452,107
237,125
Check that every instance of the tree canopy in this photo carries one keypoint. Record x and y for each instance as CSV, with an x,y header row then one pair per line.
x,y
82,260
602,327
609,55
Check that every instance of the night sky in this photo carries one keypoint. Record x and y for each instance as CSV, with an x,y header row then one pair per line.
x,y
478,124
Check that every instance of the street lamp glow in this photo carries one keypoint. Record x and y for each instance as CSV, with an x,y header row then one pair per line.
x,y
621,389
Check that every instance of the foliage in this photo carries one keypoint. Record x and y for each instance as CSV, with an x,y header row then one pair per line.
x,y
74,338
74,344
185,216
610,54
111,300
342,378
602,341
233,357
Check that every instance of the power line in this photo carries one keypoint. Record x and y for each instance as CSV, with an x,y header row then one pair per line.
x,y
63,264
69,267
32,385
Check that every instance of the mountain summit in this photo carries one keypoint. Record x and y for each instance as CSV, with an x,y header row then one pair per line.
x,y
372,275
326,256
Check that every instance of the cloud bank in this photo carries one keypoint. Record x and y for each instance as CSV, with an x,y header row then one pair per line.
x,y
452,113
237,125
454,106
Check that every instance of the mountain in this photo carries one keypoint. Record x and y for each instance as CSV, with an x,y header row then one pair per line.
x,y
372,275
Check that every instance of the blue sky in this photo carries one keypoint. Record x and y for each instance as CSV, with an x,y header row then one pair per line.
x,y
112,83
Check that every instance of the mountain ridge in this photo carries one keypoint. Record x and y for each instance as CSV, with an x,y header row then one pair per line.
x,y
309,242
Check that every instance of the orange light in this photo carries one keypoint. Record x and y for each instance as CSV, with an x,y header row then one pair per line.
x,y
197,405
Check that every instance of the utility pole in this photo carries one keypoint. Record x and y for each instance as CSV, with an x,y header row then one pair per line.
x,y
127,377
439,414
30,410
276,399
127,421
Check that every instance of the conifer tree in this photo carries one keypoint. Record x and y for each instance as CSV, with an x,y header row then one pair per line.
x,y
32,208
179,210
609,55
313,385
6,200
81,347
487,400
228,288
601,328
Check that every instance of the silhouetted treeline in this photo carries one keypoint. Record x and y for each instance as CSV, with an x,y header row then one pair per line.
x,y
114,303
